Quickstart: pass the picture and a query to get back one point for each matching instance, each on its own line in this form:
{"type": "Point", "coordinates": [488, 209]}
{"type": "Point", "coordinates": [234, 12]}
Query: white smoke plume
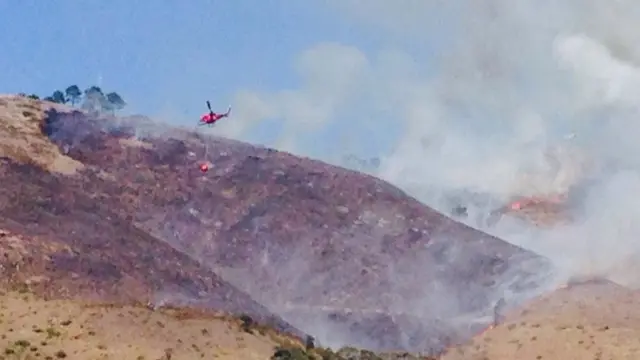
{"type": "Point", "coordinates": [498, 97]}
{"type": "Point", "coordinates": [491, 97]}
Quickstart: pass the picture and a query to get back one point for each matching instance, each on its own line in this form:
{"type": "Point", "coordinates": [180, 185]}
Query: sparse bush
{"type": "Point", "coordinates": [52, 333]}
{"type": "Point", "coordinates": [297, 353]}
{"type": "Point", "coordinates": [32, 96]}
{"type": "Point", "coordinates": [20, 287]}
{"type": "Point", "coordinates": [326, 354]}
{"type": "Point", "coordinates": [22, 343]}
{"type": "Point", "coordinates": [58, 97]}
{"type": "Point", "coordinates": [247, 323]}
{"type": "Point", "coordinates": [309, 342]}
{"type": "Point", "coordinates": [290, 353]}
{"type": "Point", "coordinates": [73, 94]}
{"type": "Point", "coordinates": [349, 353]}
{"type": "Point", "coordinates": [95, 100]}
{"type": "Point", "coordinates": [115, 102]}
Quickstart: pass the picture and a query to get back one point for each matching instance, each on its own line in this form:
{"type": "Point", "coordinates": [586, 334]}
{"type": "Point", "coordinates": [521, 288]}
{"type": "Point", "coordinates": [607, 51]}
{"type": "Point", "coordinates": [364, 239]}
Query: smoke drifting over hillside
{"type": "Point", "coordinates": [345, 257]}
{"type": "Point", "coordinates": [487, 100]}
{"type": "Point", "coordinates": [499, 98]}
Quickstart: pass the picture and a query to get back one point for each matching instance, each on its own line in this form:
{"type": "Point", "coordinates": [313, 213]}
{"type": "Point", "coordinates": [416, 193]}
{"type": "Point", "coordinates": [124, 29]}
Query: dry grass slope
{"type": "Point", "coordinates": [31, 328]}
{"type": "Point", "coordinates": [593, 321]}
{"type": "Point", "coordinates": [21, 138]}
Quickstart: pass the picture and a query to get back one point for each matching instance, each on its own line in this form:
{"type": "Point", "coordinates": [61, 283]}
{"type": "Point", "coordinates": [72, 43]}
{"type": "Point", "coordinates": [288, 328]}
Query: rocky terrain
{"type": "Point", "coordinates": [117, 209]}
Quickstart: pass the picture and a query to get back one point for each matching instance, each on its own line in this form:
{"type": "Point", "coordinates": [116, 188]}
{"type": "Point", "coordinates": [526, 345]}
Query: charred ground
{"type": "Point", "coordinates": [331, 250]}
{"type": "Point", "coordinates": [73, 244]}
{"type": "Point", "coordinates": [116, 210]}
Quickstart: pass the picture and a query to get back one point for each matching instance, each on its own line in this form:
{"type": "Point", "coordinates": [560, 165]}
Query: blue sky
{"type": "Point", "coordinates": [166, 56]}
{"type": "Point", "coordinates": [154, 52]}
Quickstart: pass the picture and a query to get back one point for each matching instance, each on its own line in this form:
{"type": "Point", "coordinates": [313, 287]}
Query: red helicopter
{"type": "Point", "coordinates": [211, 118]}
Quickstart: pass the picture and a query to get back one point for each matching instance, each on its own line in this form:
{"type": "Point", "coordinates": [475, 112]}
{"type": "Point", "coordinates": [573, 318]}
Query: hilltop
{"type": "Point", "coordinates": [21, 135]}
{"type": "Point", "coordinates": [63, 242]}
{"type": "Point", "coordinates": [110, 209]}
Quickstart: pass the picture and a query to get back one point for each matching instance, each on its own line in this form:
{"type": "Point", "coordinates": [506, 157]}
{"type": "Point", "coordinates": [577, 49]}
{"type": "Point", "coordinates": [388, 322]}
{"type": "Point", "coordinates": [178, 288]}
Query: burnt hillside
{"type": "Point", "coordinates": [304, 238]}
{"type": "Point", "coordinates": [65, 242]}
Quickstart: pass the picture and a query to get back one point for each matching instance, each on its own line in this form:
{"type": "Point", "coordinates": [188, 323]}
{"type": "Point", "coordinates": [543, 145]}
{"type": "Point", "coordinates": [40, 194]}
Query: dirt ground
{"type": "Point", "coordinates": [598, 321]}
{"type": "Point", "coordinates": [32, 328]}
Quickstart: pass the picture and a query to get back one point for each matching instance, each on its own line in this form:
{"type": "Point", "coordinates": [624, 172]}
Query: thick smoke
{"type": "Point", "coordinates": [492, 98]}
{"type": "Point", "coordinates": [478, 101]}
